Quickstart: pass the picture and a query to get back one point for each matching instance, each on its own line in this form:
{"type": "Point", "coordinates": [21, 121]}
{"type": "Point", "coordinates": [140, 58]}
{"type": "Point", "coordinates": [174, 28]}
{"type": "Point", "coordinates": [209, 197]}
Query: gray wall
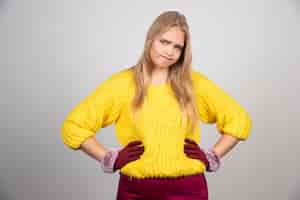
{"type": "Point", "coordinates": [53, 53]}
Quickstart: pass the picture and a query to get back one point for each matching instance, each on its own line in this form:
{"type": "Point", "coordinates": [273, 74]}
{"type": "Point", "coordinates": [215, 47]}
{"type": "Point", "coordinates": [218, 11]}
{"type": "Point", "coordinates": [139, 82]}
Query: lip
{"type": "Point", "coordinates": [167, 58]}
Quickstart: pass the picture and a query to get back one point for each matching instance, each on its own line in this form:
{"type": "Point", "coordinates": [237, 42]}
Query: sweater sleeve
{"type": "Point", "coordinates": [99, 109]}
{"type": "Point", "coordinates": [217, 106]}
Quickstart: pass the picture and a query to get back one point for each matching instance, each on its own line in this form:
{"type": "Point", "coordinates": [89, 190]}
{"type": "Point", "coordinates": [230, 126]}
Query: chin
{"type": "Point", "coordinates": [162, 66]}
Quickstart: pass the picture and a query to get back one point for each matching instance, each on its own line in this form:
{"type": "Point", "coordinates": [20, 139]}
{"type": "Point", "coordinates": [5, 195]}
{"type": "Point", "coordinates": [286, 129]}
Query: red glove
{"type": "Point", "coordinates": [209, 158]}
{"type": "Point", "coordinates": [129, 153]}
{"type": "Point", "coordinates": [192, 150]}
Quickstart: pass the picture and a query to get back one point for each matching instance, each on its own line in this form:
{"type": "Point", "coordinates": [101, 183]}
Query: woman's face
{"type": "Point", "coordinates": [167, 47]}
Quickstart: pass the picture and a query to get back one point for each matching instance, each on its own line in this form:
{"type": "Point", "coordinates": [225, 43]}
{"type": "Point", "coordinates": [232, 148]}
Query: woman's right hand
{"type": "Point", "coordinates": [129, 153]}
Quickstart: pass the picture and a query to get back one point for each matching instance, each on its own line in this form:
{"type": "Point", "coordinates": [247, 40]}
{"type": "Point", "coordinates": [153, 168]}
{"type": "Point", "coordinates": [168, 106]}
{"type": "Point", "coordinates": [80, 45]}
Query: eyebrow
{"type": "Point", "coordinates": [168, 41]}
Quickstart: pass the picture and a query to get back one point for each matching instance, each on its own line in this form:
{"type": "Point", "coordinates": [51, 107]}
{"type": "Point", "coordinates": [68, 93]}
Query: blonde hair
{"type": "Point", "coordinates": [179, 75]}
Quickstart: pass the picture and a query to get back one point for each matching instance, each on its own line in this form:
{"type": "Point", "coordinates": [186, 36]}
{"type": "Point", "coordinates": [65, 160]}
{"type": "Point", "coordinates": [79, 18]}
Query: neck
{"type": "Point", "coordinates": [159, 75]}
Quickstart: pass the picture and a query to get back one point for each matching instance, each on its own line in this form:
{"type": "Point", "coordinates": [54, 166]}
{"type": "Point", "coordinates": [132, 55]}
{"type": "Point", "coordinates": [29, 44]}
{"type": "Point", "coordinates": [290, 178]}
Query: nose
{"type": "Point", "coordinates": [169, 51]}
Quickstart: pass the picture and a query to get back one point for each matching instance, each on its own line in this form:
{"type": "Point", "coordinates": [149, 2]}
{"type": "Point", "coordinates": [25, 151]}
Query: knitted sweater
{"type": "Point", "coordinates": [159, 124]}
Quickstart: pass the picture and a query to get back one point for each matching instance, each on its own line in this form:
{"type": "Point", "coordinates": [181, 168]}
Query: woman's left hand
{"type": "Point", "coordinates": [192, 150]}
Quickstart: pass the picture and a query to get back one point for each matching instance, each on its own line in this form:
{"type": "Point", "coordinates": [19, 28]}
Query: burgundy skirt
{"type": "Point", "coordinates": [192, 187]}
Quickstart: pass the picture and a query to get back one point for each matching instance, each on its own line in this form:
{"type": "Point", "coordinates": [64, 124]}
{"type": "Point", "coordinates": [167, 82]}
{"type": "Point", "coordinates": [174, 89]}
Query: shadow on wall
{"type": "Point", "coordinates": [295, 3]}
{"type": "Point", "coordinates": [4, 194]}
{"type": "Point", "coordinates": [294, 193]}
{"type": "Point", "coordinates": [3, 4]}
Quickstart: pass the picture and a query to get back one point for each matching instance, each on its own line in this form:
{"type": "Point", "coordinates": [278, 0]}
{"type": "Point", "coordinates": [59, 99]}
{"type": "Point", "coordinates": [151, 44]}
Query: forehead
{"type": "Point", "coordinates": [174, 34]}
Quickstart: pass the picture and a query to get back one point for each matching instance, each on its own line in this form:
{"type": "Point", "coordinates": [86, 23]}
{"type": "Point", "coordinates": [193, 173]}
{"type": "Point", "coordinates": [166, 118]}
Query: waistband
{"type": "Point", "coordinates": [131, 178]}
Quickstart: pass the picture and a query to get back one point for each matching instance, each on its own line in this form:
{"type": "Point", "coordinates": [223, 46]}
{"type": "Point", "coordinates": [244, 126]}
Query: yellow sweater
{"type": "Point", "coordinates": [159, 124]}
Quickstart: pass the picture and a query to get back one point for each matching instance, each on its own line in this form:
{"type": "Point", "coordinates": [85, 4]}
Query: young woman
{"type": "Point", "coordinates": [157, 106]}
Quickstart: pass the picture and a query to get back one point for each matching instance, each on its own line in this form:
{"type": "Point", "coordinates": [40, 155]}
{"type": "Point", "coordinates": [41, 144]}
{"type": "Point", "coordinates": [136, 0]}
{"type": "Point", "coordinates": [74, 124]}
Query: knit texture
{"type": "Point", "coordinates": [159, 123]}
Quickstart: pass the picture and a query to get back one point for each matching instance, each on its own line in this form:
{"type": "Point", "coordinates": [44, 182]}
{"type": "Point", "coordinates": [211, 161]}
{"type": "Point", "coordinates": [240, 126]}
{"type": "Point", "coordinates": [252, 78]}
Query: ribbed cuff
{"type": "Point", "coordinates": [213, 159]}
{"type": "Point", "coordinates": [108, 161]}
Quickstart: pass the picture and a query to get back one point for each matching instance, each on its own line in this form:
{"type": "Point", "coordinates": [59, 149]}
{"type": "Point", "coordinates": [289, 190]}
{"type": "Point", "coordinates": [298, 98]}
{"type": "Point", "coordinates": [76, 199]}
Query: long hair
{"type": "Point", "coordinates": [179, 74]}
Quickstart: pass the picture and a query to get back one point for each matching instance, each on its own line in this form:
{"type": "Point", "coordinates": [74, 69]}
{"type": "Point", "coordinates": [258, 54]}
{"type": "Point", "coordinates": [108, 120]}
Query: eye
{"type": "Point", "coordinates": [178, 48]}
{"type": "Point", "coordinates": [163, 41]}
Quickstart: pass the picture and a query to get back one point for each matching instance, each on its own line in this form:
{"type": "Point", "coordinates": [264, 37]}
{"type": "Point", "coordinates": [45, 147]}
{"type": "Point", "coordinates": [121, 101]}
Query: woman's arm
{"type": "Point", "coordinates": [98, 110]}
{"type": "Point", "coordinates": [93, 148]}
{"type": "Point", "coordinates": [225, 144]}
